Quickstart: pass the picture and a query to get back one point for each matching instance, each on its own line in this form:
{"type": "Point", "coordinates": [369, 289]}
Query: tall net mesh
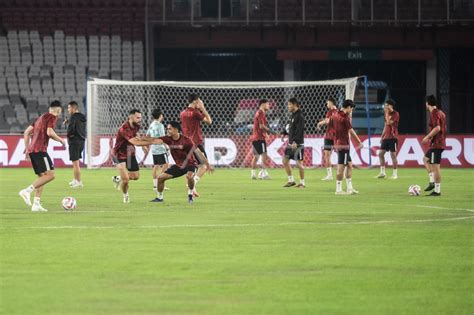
{"type": "Point", "coordinates": [232, 106]}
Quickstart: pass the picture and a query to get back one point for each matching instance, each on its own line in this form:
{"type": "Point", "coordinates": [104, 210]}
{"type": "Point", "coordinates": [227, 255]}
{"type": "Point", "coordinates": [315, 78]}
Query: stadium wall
{"type": "Point", "coordinates": [233, 152]}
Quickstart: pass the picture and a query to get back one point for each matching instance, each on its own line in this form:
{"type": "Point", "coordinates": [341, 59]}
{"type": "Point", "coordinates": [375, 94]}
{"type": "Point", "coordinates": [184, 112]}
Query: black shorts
{"type": "Point", "coordinates": [201, 148]}
{"type": "Point", "coordinates": [328, 144]}
{"type": "Point", "coordinates": [75, 150]}
{"type": "Point", "coordinates": [41, 162]}
{"type": "Point", "coordinates": [131, 163]}
{"type": "Point", "coordinates": [160, 159]}
{"type": "Point", "coordinates": [177, 171]}
{"type": "Point", "coordinates": [343, 157]}
{"type": "Point", "coordinates": [389, 145]}
{"type": "Point", "coordinates": [434, 156]}
{"type": "Point", "coordinates": [297, 154]}
{"type": "Point", "coordinates": [259, 147]}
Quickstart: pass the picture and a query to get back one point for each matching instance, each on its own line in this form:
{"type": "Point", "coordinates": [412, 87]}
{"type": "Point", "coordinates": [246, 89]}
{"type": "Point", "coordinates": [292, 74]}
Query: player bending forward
{"type": "Point", "coordinates": [183, 151]}
{"type": "Point", "coordinates": [123, 153]}
{"type": "Point", "coordinates": [437, 139]}
{"type": "Point", "coordinates": [259, 134]}
{"type": "Point", "coordinates": [36, 151]}
{"type": "Point", "coordinates": [295, 148]}
{"type": "Point", "coordinates": [343, 131]}
{"type": "Point", "coordinates": [328, 137]}
{"type": "Point", "coordinates": [389, 139]}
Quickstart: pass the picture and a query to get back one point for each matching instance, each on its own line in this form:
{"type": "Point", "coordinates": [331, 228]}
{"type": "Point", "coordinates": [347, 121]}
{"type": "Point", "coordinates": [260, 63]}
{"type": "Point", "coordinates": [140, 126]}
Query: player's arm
{"type": "Point", "coordinates": [322, 122]}
{"type": "Point", "coordinates": [202, 157]}
{"type": "Point", "coordinates": [432, 133]}
{"type": "Point", "coordinates": [27, 136]}
{"type": "Point", "coordinates": [144, 141]}
{"type": "Point", "coordinates": [354, 135]}
{"type": "Point", "coordinates": [207, 118]}
{"type": "Point", "coordinates": [53, 135]}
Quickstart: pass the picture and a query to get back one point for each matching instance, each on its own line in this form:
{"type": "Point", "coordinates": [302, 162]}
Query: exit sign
{"type": "Point", "coordinates": [355, 54]}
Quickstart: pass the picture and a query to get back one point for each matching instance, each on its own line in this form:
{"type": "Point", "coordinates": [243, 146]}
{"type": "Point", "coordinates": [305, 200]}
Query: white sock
{"type": "Point", "coordinates": [302, 181]}
{"type": "Point", "coordinates": [252, 173]}
{"type": "Point", "coordinates": [190, 191]}
{"type": "Point", "coordinates": [382, 169]}
{"type": "Point", "coordinates": [437, 188]}
{"type": "Point", "coordinates": [125, 195]}
{"type": "Point", "coordinates": [338, 185]}
{"type": "Point", "coordinates": [395, 172]}
{"type": "Point", "coordinates": [349, 183]}
{"type": "Point", "coordinates": [264, 172]}
{"type": "Point", "coordinates": [36, 200]}
{"type": "Point", "coordinates": [431, 177]}
{"type": "Point", "coordinates": [155, 183]}
{"type": "Point", "coordinates": [30, 189]}
{"type": "Point", "coordinates": [196, 179]}
{"type": "Point", "coordinates": [290, 179]}
{"type": "Point", "coordinates": [329, 171]}
{"type": "Point", "coordinates": [160, 195]}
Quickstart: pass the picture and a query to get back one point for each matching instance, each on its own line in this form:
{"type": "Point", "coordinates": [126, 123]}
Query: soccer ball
{"type": "Point", "coordinates": [414, 190]}
{"type": "Point", "coordinates": [69, 203]}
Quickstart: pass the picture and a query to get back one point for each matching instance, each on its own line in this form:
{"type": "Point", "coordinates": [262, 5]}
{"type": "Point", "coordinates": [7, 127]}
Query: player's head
{"type": "Point", "coordinates": [173, 129]}
{"type": "Point", "coordinates": [293, 105]}
{"type": "Point", "coordinates": [55, 108]}
{"type": "Point", "coordinates": [135, 116]}
{"type": "Point", "coordinates": [72, 107]}
{"type": "Point", "coordinates": [348, 106]}
{"type": "Point", "coordinates": [390, 105]}
{"type": "Point", "coordinates": [431, 102]}
{"type": "Point", "coordinates": [264, 104]}
{"type": "Point", "coordinates": [193, 99]}
{"type": "Point", "coordinates": [157, 114]}
{"type": "Point", "coordinates": [331, 102]}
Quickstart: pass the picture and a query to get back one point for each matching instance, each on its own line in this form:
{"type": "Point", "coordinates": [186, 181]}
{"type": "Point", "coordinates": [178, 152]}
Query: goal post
{"type": "Point", "coordinates": [232, 106]}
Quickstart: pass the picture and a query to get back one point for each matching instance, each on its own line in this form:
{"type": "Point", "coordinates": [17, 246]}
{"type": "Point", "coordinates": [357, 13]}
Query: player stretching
{"type": "Point", "coordinates": [36, 151]}
{"type": "Point", "coordinates": [259, 133]}
{"type": "Point", "coordinates": [295, 148]}
{"type": "Point", "coordinates": [160, 154]}
{"type": "Point", "coordinates": [183, 151]}
{"type": "Point", "coordinates": [123, 153]}
{"type": "Point", "coordinates": [328, 137]}
{"type": "Point", "coordinates": [343, 132]}
{"type": "Point", "coordinates": [76, 136]}
{"type": "Point", "coordinates": [389, 138]}
{"type": "Point", "coordinates": [437, 139]}
{"type": "Point", "coordinates": [191, 119]}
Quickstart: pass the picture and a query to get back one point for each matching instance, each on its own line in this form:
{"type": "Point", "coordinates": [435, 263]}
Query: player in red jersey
{"type": "Point", "coordinates": [343, 131]}
{"type": "Point", "coordinates": [259, 134]}
{"type": "Point", "coordinates": [191, 119]}
{"type": "Point", "coordinates": [36, 138]}
{"type": "Point", "coordinates": [183, 150]}
{"type": "Point", "coordinates": [123, 153]}
{"type": "Point", "coordinates": [389, 138]}
{"type": "Point", "coordinates": [437, 139]}
{"type": "Point", "coordinates": [328, 137]}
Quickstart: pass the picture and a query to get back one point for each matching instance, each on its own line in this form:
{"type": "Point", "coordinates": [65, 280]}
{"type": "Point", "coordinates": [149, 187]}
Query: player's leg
{"type": "Point", "coordinates": [265, 165]}
{"type": "Point", "coordinates": [43, 179]}
{"type": "Point", "coordinates": [429, 156]}
{"type": "Point", "coordinates": [190, 180]}
{"type": "Point", "coordinates": [161, 184]}
{"type": "Point", "coordinates": [436, 170]}
{"type": "Point", "coordinates": [253, 174]}
{"type": "Point", "coordinates": [124, 180]}
{"type": "Point", "coordinates": [44, 169]}
{"type": "Point", "coordinates": [344, 169]}
{"type": "Point", "coordinates": [327, 150]}
{"type": "Point", "coordinates": [350, 189]}
{"type": "Point", "coordinates": [75, 154]}
{"type": "Point", "coordinates": [382, 164]}
{"type": "Point", "coordinates": [76, 166]}
{"type": "Point", "coordinates": [299, 157]}
{"type": "Point", "coordinates": [286, 164]}
{"type": "Point", "coordinates": [202, 168]}
{"type": "Point", "coordinates": [339, 178]}
{"type": "Point", "coordinates": [134, 175]}
{"type": "Point", "coordinates": [393, 155]}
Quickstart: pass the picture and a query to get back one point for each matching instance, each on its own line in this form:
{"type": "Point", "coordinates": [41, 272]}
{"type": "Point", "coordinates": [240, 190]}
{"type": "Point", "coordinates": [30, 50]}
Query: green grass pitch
{"type": "Point", "coordinates": [244, 247]}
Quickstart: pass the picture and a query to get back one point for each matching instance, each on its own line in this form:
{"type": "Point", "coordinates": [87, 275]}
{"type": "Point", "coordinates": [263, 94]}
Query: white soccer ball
{"type": "Point", "coordinates": [69, 203]}
{"type": "Point", "coordinates": [414, 190]}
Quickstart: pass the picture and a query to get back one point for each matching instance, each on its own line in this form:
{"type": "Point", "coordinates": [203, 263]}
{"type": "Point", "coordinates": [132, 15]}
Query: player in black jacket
{"type": "Point", "coordinates": [76, 136]}
{"type": "Point", "coordinates": [295, 148]}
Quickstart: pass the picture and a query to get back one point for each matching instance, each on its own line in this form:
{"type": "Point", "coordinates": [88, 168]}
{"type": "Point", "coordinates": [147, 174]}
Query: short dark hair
{"type": "Point", "coordinates": [73, 103]}
{"type": "Point", "coordinates": [294, 101]}
{"type": "Point", "coordinates": [348, 103]}
{"type": "Point", "coordinates": [134, 111]}
{"type": "Point", "coordinates": [55, 104]}
{"type": "Point", "coordinates": [332, 100]}
{"type": "Point", "coordinates": [156, 113]}
{"type": "Point", "coordinates": [431, 100]}
{"type": "Point", "coordinates": [262, 101]}
{"type": "Point", "coordinates": [390, 102]}
{"type": "Point", "coordinates": [175, 124]}
{"type": "Point", "coordinates": [192, 97]}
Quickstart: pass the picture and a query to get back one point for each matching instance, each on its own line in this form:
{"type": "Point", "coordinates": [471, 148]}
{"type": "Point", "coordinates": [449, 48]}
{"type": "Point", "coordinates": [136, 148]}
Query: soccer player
{"type": "Point", "coordinates": [36, 138]}
{"type": "Point", "coordinates": [183, 151]}
{"type": "Point", "coordinates": [328, 137]}
{"type": "Point", "coordinates": [259, 134]}
{"type": "Point", "coordinates": [76, 136]}
{"type": "Point", "coordinates": [437, 139]}
{"type": "Point", "coordinates": [343, 131]}
{"type": "Point", "coordinates": [295, 148]}
{"type": "Point", "coordinates": [389, 138]}
{"type": "Point", "coordinates": [123, 153]}
{"type": "Point", "coordinates": [159, 152]}
{"type": "Point", "coordinates": [191, 119]}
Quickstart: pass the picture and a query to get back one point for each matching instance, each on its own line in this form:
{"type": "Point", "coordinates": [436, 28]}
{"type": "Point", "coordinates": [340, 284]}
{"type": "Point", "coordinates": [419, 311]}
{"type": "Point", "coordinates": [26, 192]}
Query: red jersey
{"type": "Point", "coordinates": [40, 138]}
{"type": "Point", "coordinates": [191, 122]}
{"type": "Point", "coordinates": [342, 124]}
{"type": "Point", "coordinates": [260, 118]}
{"type": "Point", "coordinates": [330, 132]}
{"type": "Point", "coordinates": [182, 150]}
{"type": "Point", "coordinates": [438, 118]}
{"type": "Point", "coordinates": [391, 131]}
{"type": "Point", "coordinates": [122, 147]}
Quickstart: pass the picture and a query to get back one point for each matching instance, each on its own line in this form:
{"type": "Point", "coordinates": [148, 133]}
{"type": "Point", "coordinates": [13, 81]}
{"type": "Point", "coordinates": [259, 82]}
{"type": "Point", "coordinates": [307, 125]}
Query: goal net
{"type": "Point", "coordinates": [232, 106]}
